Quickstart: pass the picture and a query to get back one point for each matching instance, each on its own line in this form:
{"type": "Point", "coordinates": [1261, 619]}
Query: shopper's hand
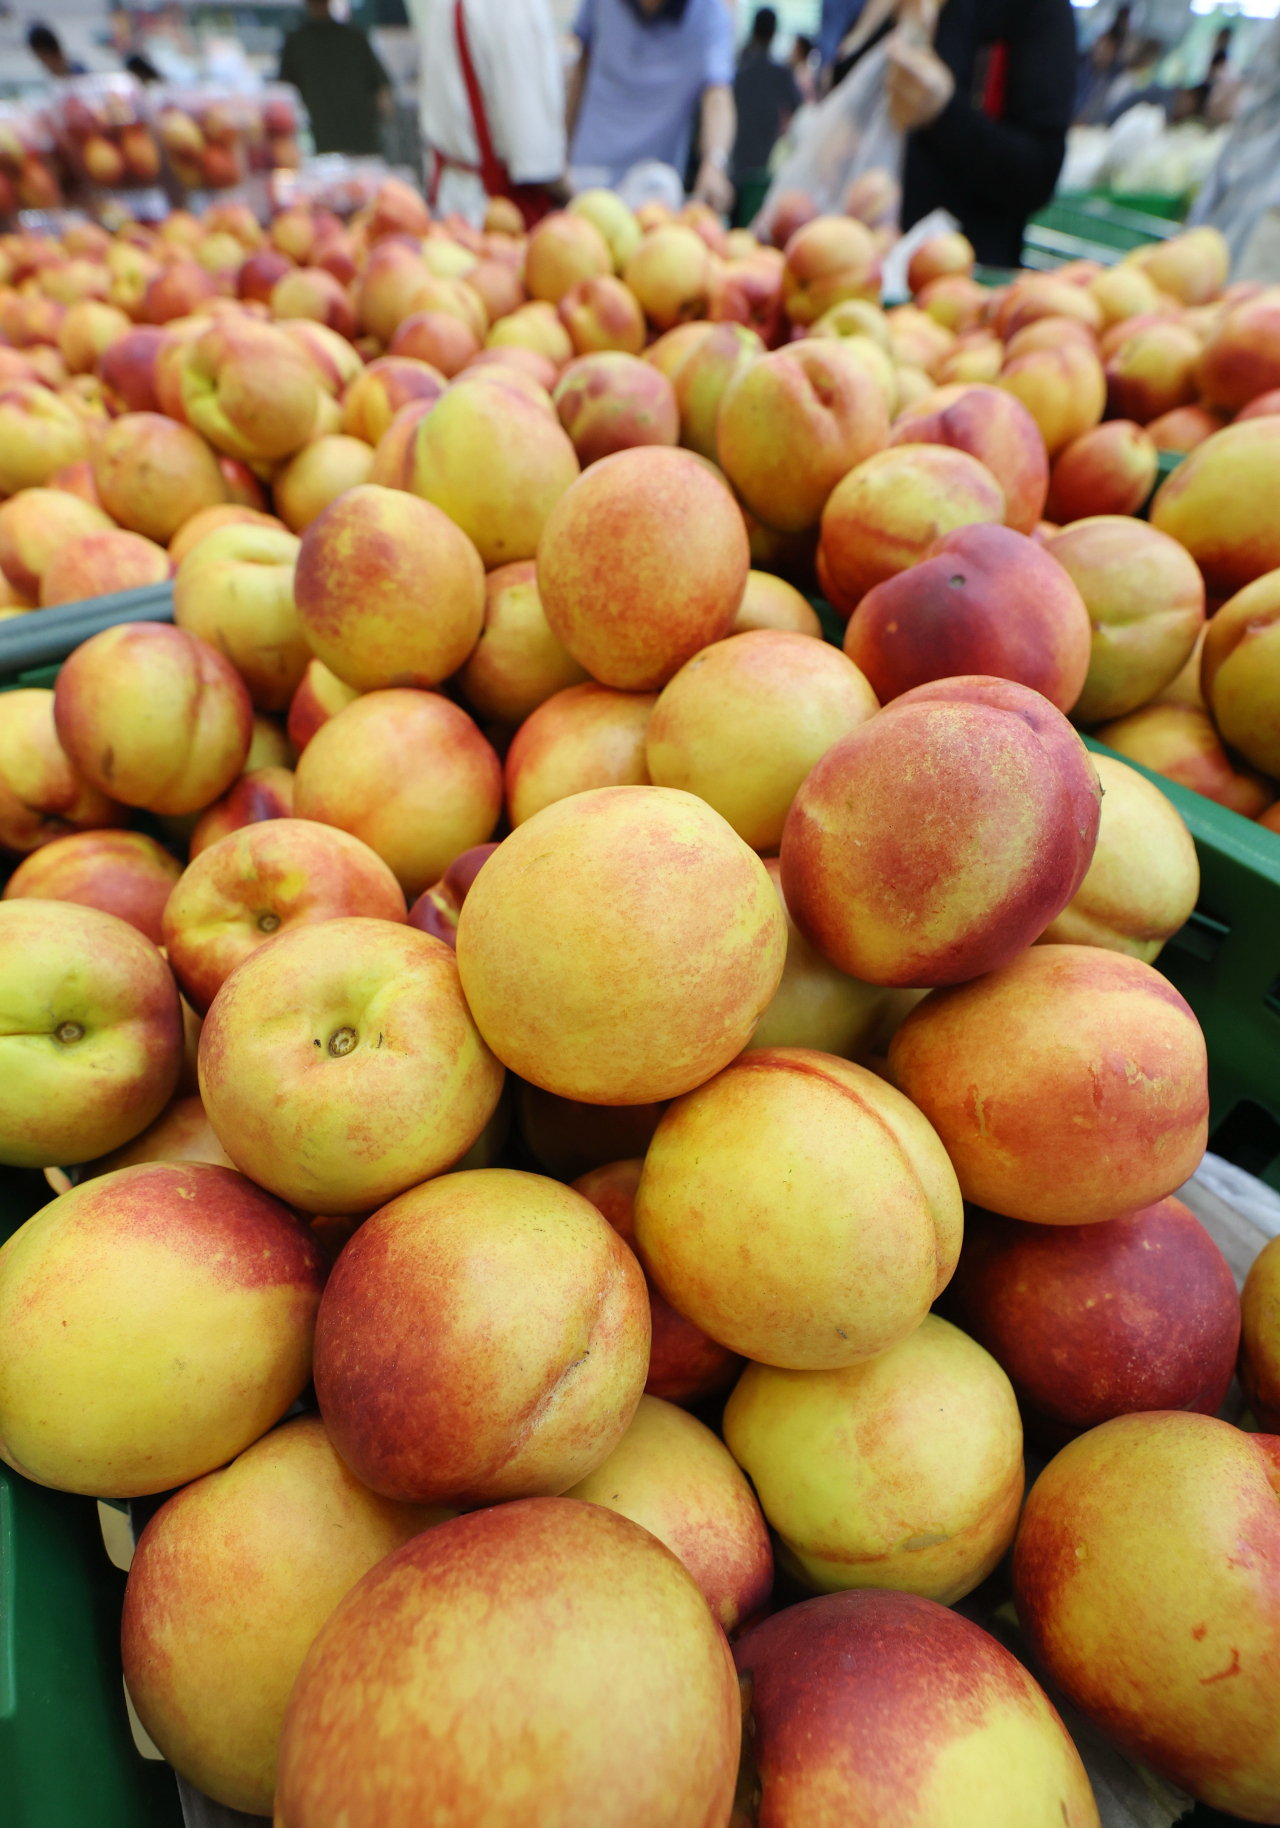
{"type": "Point", "coordinates": [919, 85]}
{"type": "Point", "coordinates": [713, 187]}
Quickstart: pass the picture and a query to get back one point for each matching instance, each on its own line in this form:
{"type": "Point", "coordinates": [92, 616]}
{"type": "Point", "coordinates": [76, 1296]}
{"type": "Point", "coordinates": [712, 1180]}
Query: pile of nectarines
{"type": "Point", "coordinates": [565, 1090]}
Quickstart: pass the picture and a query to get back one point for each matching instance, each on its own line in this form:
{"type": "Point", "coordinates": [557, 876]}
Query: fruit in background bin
{"type": "Point", "coordinates": [1110, 470]}
{"type": "Point", "coordinates": [601, 313]}
{"type": "Point", "coordinates": [749, 292]}
{"type": "Point", "coordinates": [495, 463]}
{"type": "Point", "coordinates": [828, 259]}
{"type": "Point", "coordinates": [127, 368]}
{"type": "Point", "coordinates": [153, 716]}
{"type": "Point", "coordinates": [1240, 672]}
{"type": "Point", "coordinates": [334, 362]}
{"type": "Point", "coordinates": [1043, 295]}
{"type": "Point", "coordinates": [983, 600]}
{"type": "Point", "coordinates": [1178, 740]}
{"type": "Point", "coordinates": [550, 1610]}
{"type": "Point", "coordinates": [35, 525]}
{"type": "Point", "coordinates": [978, 855]}
{"type": "Point", "coordinates": [263, 880]}
{"type": "Point", "coordinates": [904, 1471]}
{"type": "Point", "coordinates": [615, 221]}
{"type": "Point", "coordinates": [1219, 502]}
{"type": "Point", "coordinates": [564, 249]}
{"type": "Point", "coordinates": [1260, 1341]}
{"type": "Point", "coordinates": [1241, 359]}
{"type": "Point", "coordinates": [938, 256]}
{"type": "Point", "coordinates": [340, 1065]}
{"type": "Point", "coordinates": [1153, 372]}
{"type": "Point", "coordinates": [246, 387]}
{"type": "Point", "coordinates": [260, 274]}
{"type": "Point", "coordinates": [153, 474]}
{"type": "Point", "coordinates": [611, 402]}
{"type": "Point", "coordinates": [445, 343]}
{"type": "Point", "coordinates": [1184, 428]}
{"type": "Point", "coordinates": [905, 1711]}
{"type": "Point", "coordinates": [740, 1225]}
{"type": "Point", "coordinates": [1193, 266]}
{"type": "Point", "coordinates": [1182, 1525]}
{"type": "Point", "coordinates": [1095, 1321]}
{"type": "Point", "coordinates": [125, 873]}
{"type": "Point", "coordinates": [42, 797]}
{"type": "Point", "coordinates": [1112, 1116]}
{"type": "Point", "coordinates": [375, 396]}
{"type": "Point", "coordinates": [887, 512]}
{"type": "Point", "coordinates": [92, 1038]}
{"type": "Point", "coordinates": [409, 774]}
{"type": "Point", "coordinates": [672, 1476]}
{"type": "Point", "coordinates": [955, 301]}
{"type": "Point", "coordinates": [1144, 880]}
{"type": "Point", "coordinates": [87, 331]}
{"type": "Point", "coordinates": [187, 1300]}
{"type": "Point", "coordinates": [433, 1293]}
{"type": "Point", "coordinates": [39, 433]}
{"type": "Point", "coordinates": [1064, 390]}
{"type": "Point", "coordinates": [641, 563]}
{"type": "Point", "coordinates": [770, 602]}
{"type": "Point", "coordinates": [516, 663]}
{"type": "Point", "coordinates": [320, 696]}
{"type": "Point", "coordinates": [389, 590]}
{"type": "Point", "coordinates": [229, 1584]}
{"type": "Point", "coordinates": [1145, 598]}
{"type": "Point", "coordinates": [1122, 292]}
{"type": "Point", "coordinates": [264, 791]}
{"type": "Point", "coordinates": [584, 737]}
{"type": "Point", "coordinates": [640, 872]}
{"type": "Point", "coordinates": [1265, 405]}
{"type": "Point", "coordinates": [534, 326]}
{"type": "Point", "coordinates": [436, 910]}
{"type": "Point", "coordinates": [670, 274]}
{"type": "Point", "coordinates": [178, 290]}
{"type": "Point", "coordinates": [743, 722]}
{"type": "Point", "coordinates": [313, 293]}
{"type": "Point", "coordinates": [685, 1366]}
{"type": "Point", "coordinates": [917, 341]}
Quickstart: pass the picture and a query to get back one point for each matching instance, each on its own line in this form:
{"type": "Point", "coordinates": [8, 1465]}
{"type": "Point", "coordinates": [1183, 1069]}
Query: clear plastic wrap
{"type": "Point", "coordinates": [844, 136]}
{"type": "Point", "coordinates": [102, 130]}
{"type": "Point", "coordinates": [29, 177]}
{"type": "Point", "coordinates": [204, 133]}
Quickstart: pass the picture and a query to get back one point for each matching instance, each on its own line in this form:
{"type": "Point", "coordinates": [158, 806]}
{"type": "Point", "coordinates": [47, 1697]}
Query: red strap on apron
{"type": "Point", "coordinates": [994, 90]}
{"type": "Point", "coordinates": [532, 200]}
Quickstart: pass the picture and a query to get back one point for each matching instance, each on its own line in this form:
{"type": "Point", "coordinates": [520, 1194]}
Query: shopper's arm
{"type": "Point", "coordinates": [719, 129]}
{"type": "Point", "coordinates": [1016, 159]}
{"type": "Point", "coordinates": [574, 89]}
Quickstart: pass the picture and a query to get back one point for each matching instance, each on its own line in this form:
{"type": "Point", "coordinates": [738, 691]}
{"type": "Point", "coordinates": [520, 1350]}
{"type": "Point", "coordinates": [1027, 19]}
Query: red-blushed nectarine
{"type": "Point", "coordinates": [1068, 1086]}
{"type": "Point", "coordinates": [770, 602]}
{"type": "Point", "coordinates": [122, 872]}
{"type": "Point", "coordinates": [1240, 672]}
{"type": "Point", "coordinates": [156, 1321]}
{"type": "Point", "coordinates": [90, 1033]}
{"type": "Point", "coordinates": [644, 922]}
{"type": "Point", "coordinates": [390, 592]}
{"type": "Point", "coordinates": [229, 1584]}
{"type": "Point", "coordinates": [316, 475]}
{"type": "Point", "coordinates": [672, 1476]}
{"type": "Point", "coordinates": [817, 1005]}
{"type": "Point", "coordinates": [235, 591]}
{"type": "Point", "coordinates": [611, 401]}
{"type": "Point", "coordinates": [153, 716]}
{"type": "Point", "coordinates": [1177, 739]}
{"type": "Point", "coordinates": [1161, 1532]}
{"type": "Point", "coordinates": [483, 1337]}
{"type": "Point", "coordinates": [743, 722]}
{"type": "Point", "coordinates": [793, 423]}
{"type": "Point", "coordinates": [408, 773]}
{"type": "Point", "coordinates": [904, 1471]}
{"type": "Point", "coordinates": [437, 909]}
{"type": "Point", "coordinates": [340, 1064]}
{"type": "Point", "coordinates": [100, 564]}
{"type": "Point", "coordinates": [544, 1650]}
{"type": "Point", "coordinates": [34, 526]}
{"type": "Point", "coordinates": [1218, 503]}
{"type": "Point", "coordinates": [1144, 879]}
{"type": "Point", "coordinates": [993, 426]}
{"type": "Point", "coordinates": [154, 474]}
{"type": "Point", "coordinates": [584, 737]}
{"type": "Point", "coordinates": [1260, 1339]}
{"type": "Point", "coordinates": [181, 1133]}
{"type": "Point", "coordinates": [983, 599]}
{"type": "Point", "coordinates": [642, 563]}
{"type": "Point", "coordinates": [975, 858]}
{"type": "Point", "coordinates": [259, 793]}
{"type": "Point", "coordinates": [798, 1210]}
{"type": "Point", "coordinates": [320, 696]}
{"type": "Point", "coordinates": [684, 1364]}
{"type": "Point", "coordinates": [41, 795]}
{"type": "Point", "coordinates": [1110, 470]}
{"type": "Point", "coordinates": [888, 1708]}
{"type": "Point", "coordinates": [1094, 1321]}
{"type": "Point", "coordinates": [266, 879]}
{"type": "Point", "coordinates": [1145, 598]}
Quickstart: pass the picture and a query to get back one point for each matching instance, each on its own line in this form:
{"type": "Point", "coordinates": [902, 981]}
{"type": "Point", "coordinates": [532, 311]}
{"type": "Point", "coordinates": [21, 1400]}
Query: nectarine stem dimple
{"type": "Point", "coordinates": [68, 1032]}
{"type": "Point", "coordinates": [342, 1041]}
{"type": "Point", "coordinates": [268, 923]}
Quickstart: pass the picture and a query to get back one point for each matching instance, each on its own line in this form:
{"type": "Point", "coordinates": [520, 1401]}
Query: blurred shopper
{"type": "Point", "coordinates": [47, 47]}
{"type": "Point", "coordinates": [646, 68]}
{"type": "Point", "coordinates": [1100, 68]}
{"type": "Point", "coordinates": [801, 65]}
{"type": "Point", "coordinates": [838, 19]}
{"type": "Point", "coordinates": [344, 86]}
{"type": "Point", "coordinates": [765, 95]}
{"type": "Point", "coordinates": [983, 91]}
{"type": "Point", "coordinates": [492, 91]}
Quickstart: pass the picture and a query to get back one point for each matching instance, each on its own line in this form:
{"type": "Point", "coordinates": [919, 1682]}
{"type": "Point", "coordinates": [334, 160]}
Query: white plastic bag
{"type": "Point", "coordinates": [848, 133]}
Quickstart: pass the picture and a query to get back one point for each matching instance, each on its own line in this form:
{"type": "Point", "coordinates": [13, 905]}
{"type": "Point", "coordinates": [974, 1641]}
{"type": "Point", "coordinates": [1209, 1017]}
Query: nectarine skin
{"type": "Point", "coordinates": [900, 1710]}
{"type": "Point", "coordinates": [1093, 1321]}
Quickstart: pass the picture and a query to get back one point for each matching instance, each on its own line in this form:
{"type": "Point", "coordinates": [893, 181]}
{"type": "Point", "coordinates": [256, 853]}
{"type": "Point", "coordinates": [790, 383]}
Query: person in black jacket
{"type": "Point", "coordinates": [986, 106]}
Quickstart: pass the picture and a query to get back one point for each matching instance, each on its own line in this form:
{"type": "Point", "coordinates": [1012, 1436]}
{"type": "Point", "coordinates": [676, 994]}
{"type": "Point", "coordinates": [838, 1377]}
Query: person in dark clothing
{"type": "Point", "coordinates": [765, 94]}
{"type": "Point", "coordinates": [47, 46]}
{"type": "Point", "coordinates": [343, 84]}
{"type": "Point", "coordinates": [983, 90]}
